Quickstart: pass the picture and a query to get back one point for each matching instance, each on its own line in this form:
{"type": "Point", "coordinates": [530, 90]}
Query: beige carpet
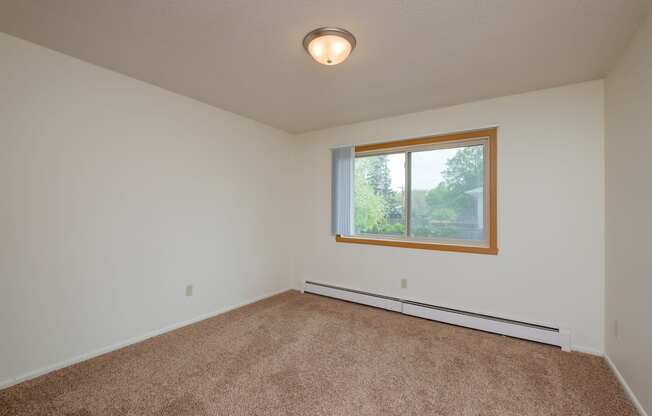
{"type": "Point", "coordinates": [297, 354]}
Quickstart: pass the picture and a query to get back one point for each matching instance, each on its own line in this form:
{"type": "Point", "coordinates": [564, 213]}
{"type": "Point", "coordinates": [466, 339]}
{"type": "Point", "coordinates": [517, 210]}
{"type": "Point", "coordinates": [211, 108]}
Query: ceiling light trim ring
{"type": "Point", "coordinates": [324, 31]}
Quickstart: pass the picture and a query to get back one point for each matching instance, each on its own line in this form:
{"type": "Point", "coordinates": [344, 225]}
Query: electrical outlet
{"type": "Point", "coordinates": [189, 290]}
{"type": "Point", "coordinates": [616, 329]}
{"type": "Point", "coordinates": [403, 283]}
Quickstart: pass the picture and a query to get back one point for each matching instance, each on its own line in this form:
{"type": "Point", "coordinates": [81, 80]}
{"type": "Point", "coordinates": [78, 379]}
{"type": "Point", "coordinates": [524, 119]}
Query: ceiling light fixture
{"type": "Point", "coordinates": [329, 45]}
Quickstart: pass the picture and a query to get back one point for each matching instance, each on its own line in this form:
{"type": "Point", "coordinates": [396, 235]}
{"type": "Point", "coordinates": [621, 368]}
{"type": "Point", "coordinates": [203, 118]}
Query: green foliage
{"type": "Point", "coordinates": [439, 197]}
{"type": "Point", "coordinates": [431, 213]}
{"type": "Point", "coordinates": [370, 207]}
{"type": "Point", "coordinates": [396, 228]}
{"type": "Point", "coordinates": [377, 206]}
{"type": "Point", "coordinates": [377, 174]}
{"type": "Point", "coordinates": [443, 211]}
{"type": "Point", "coordinates": [443, 214]}
{"type": "Point", "coordinates": [465, 170]}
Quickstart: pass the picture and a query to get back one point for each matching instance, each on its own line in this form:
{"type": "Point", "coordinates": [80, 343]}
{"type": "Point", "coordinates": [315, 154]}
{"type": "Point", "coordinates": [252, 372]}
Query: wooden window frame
{"type": "Point", "coordinates": [489, 134]}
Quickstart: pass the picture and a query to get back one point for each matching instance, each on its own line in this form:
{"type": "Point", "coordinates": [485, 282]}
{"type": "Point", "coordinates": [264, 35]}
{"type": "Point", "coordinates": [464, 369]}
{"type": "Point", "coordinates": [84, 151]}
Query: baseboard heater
{"type": "Point", "coordinates": [546, 334]}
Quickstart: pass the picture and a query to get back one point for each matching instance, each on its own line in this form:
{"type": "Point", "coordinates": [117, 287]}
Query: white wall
{"type": "Point", "coordinates": [115, 194]}
{"type": "Point", "coordinates": [550, 267]}
{"type": "Point", "coordinates": [628, 92]}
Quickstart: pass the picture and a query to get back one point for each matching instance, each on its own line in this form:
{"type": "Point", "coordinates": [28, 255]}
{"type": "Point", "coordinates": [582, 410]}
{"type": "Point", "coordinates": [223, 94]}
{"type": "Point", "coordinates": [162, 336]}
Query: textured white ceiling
{"type": "Point", "coordinates": [245, 56]}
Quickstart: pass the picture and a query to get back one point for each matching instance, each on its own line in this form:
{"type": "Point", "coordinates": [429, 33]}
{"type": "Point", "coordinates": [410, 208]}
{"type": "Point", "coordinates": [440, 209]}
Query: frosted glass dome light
{"type": "Point", "coordinates": [329, 45]}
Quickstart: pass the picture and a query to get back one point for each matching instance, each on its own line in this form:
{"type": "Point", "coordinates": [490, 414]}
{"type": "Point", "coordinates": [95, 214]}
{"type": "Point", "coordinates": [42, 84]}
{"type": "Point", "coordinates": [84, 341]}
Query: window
{"type": "Point", "coordinates": [436, 193]}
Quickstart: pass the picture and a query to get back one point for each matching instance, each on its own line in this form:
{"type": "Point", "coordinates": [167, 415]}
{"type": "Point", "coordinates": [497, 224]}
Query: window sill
{"type": "Point", "coordinates": [418, 245]}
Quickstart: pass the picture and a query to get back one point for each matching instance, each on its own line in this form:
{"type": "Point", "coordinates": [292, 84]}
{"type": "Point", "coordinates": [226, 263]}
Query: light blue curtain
{"type": "Point", "coordinates": [342, 190]}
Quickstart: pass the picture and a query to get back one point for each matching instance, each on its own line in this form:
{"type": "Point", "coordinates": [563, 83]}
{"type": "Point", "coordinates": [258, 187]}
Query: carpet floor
{"type": "Point", "coordinates": [301, 354]}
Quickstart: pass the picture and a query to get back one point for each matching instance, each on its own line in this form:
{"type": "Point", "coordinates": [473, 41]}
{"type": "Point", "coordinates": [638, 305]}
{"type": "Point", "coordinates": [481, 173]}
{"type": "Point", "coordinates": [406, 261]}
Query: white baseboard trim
{"type": "Point", "coordinates": [587, 350]}
{"type": "Point", "coordinates": [121, 344]}
{"type": "Point", "coordinates": [626, 387]}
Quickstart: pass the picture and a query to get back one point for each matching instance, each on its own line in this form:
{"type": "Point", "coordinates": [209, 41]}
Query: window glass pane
{"type": "Point", "coordinates": [379, 184]}
{"type": "Point", "coordinates": [447, 194]}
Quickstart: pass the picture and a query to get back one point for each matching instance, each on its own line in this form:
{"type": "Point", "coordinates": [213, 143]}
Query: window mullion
{"type": "Point", "coordinates": [407, 193]}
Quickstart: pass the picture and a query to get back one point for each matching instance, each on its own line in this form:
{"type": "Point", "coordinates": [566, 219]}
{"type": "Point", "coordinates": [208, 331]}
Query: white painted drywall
{"type": "Point", "coordinates": [115, 194]}
{"type": "Point", "coordinates": [628, 100]}
{"type": "Point", "coordinates": [551, 214]}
